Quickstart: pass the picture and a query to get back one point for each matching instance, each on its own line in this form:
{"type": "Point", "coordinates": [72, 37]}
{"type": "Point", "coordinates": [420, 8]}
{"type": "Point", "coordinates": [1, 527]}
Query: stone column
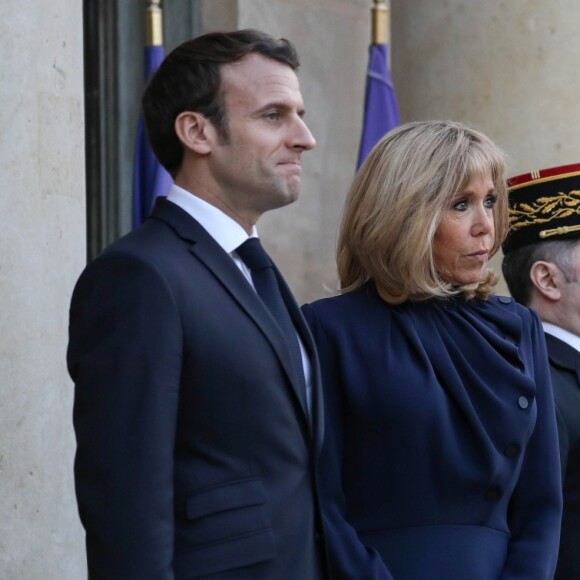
{"type": "Point", "coordinates": [508, 68]}
{"type": "Point", "coordinates": [42, 251]}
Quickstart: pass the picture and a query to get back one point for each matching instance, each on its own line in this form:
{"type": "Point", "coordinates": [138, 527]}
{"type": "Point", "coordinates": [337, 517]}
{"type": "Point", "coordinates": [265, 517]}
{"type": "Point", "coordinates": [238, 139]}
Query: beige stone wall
{"type": "Point", "coordinates": [41, 252]}
{"type": "Point", "coordinates": [508, 68]}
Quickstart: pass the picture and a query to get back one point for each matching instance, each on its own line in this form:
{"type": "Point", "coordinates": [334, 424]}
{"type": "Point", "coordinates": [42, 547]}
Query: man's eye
{"type": "Point", "coordinates": [272, 116]}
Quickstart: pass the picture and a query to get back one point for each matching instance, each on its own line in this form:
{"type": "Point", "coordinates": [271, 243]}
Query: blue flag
{"type": "Point", "coordinates": [150, 179]}
{"type": "Point", "coordinates": [381, 112]}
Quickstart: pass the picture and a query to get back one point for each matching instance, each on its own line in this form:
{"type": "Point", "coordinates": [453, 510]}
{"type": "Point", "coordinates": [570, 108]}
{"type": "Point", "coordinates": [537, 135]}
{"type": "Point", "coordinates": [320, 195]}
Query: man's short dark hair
{"type": "Point", "coordinates": [517, 264]}
{"type": "Point", "coordinates": [189, 80]}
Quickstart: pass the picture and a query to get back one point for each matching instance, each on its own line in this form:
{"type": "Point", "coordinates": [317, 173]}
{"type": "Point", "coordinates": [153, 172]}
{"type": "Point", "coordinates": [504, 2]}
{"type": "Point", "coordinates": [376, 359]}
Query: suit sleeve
{"type": "Point", "coordinates": [536, 506]}
{"type": "Point", "coordinates": [349, 557]}
{"type": "Point", "coordinates": [124, 357]}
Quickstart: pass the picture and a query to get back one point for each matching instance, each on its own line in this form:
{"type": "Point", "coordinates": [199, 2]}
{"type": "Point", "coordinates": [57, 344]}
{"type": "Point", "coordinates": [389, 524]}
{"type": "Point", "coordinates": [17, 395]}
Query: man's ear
{"type": "Point", "coordinates": [195, 132]}
{"type": "Point", "coordinates": [546, 277]}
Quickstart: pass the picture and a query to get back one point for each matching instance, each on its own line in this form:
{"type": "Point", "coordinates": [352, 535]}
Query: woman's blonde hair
{"type": "Point", "coordinates": [396, 201]}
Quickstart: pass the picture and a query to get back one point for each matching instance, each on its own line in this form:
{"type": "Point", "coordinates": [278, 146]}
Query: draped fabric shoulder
{"type": "Point", "coordinates": [441, 443]}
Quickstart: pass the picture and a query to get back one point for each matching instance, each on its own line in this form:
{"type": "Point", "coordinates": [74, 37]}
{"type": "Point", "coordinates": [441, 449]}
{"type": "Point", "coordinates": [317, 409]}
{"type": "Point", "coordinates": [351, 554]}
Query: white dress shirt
{"type": "Point", "coordinates": [229, 235]}
{"type": "Point", "coordinates": [566, 336]}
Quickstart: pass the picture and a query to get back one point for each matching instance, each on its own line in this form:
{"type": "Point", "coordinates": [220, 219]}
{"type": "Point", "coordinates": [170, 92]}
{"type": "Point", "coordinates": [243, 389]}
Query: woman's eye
{"type": "Point", "coordinates": [460, 205]}
{"type": "Point", "coordinates": [490, 200]}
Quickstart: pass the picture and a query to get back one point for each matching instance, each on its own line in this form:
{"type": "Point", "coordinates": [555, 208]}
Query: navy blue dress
{"type": "Point", "coordinates": [441, 457]}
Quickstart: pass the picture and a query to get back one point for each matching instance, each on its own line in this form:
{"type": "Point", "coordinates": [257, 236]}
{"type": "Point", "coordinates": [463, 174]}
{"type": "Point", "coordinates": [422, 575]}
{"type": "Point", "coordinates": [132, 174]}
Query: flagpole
{"type": "Point", "coordinates": [381, 25]}
{"type": "Point", "coordinates": [380, 22]}
{"type": "Point", "coordinates": [154, 24]}
{"type": "Point", "coordinates": [381, 111]}
{"type": "Point", "coordinates": [150, 179]}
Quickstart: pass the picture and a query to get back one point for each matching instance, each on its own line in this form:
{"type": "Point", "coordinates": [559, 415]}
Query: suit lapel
{"type": "Point", "coordinates": [220, 264]}
{"type": "Point", "coordinates": [317, 411]}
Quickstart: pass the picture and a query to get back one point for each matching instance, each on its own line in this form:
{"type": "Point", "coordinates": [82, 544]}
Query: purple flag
{"type": "Point", "coordinates": [381, 112]}
{"type": "Point", "coordinates": [150, 179]}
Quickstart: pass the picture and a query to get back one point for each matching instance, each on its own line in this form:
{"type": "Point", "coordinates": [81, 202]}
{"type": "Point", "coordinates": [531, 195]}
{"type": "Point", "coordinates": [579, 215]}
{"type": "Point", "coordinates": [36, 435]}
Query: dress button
{"type": "Point", "coordinates": [512, 450]}
{"type": "Point", "coordinates": [492, 494]}
{"type": "Point", "coordinates": [505, 299]}
{"type": "Point", "coordinates": [523, 403]}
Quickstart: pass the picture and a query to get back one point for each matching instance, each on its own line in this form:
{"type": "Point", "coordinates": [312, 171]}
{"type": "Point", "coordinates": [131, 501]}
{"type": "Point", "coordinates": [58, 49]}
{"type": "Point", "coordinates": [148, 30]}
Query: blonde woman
{"type": "Point", "coordinates": [441, 455]}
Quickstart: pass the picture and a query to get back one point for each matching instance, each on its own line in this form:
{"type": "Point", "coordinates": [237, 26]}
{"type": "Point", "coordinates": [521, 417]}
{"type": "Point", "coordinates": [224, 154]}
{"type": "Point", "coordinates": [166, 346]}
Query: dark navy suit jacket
{"type": "Point", "coordinates": [196, 457]}
{"type": "Point", "coordinates": [565, 371]}
{"type": "Point", "coordinates": [440, 460]}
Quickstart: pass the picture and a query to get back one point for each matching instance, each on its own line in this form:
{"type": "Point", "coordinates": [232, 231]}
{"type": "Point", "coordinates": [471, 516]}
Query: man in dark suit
{"type": "Point", "coordinates": [197, 401]}
{"type": "Point", "coordinates": [541, 266]}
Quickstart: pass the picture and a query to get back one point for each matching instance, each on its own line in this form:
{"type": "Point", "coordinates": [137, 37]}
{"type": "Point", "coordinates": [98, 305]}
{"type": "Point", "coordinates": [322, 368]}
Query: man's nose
{"type": "Point", "coordinates": [302, 138]}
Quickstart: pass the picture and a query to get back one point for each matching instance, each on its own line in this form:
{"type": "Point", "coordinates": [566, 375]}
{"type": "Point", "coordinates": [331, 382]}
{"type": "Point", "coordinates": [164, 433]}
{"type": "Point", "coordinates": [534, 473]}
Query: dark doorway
{"type": "Point", "coordinates": [114, 43]}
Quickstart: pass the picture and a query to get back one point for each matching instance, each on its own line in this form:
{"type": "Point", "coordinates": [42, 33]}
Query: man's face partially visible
{"type": "Point", "coordinates": [258, 167]}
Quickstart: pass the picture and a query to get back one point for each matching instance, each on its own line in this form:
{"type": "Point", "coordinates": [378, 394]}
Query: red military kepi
{"type": "Point", "coordinates": [544, 205]}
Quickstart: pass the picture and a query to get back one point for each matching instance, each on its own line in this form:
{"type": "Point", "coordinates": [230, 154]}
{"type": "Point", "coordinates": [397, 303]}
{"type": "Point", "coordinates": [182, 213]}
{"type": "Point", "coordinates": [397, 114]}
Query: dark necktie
{"type": "Point", "coordinates": [264, 277]}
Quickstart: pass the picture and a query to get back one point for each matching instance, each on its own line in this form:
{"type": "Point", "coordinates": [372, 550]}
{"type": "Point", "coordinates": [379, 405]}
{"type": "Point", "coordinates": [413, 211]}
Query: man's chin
{"type": "Point", "coordinates": [282, 194]}
{"type": "Point", "coordinates": [289, 193]}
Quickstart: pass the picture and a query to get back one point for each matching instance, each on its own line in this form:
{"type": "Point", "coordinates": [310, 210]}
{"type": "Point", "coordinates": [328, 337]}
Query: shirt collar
{"type": "Point", "coordinates": [227, 232]}
{"type": "Point", "coordinates": [564, 335]}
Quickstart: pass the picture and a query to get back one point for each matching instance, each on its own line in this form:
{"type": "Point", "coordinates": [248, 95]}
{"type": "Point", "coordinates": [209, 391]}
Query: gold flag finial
{"type": "Point", "coordinates": [380, 22]}
{"type": "Point", "coordinates": [154, 24]}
